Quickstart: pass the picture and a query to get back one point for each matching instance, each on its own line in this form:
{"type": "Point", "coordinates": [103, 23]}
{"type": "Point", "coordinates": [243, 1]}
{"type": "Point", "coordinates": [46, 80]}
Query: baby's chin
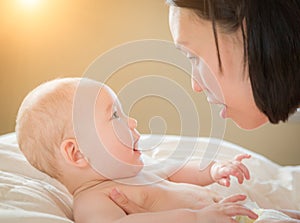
{"type": "Point", "coordinates": [138, 166]}
{"type": "Point", "coordinates": [132, 170]}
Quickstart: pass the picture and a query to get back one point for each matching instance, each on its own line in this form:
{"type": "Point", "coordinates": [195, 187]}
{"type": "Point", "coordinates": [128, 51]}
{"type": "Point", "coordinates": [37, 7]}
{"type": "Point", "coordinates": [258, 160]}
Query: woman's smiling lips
{"type": "Point", "coordinates": [223, 112]}
{"type": "Point", "coordinates": [214, 101]}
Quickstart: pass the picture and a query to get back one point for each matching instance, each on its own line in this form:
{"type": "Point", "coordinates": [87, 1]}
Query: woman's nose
{"type": "Point", "coordinates": [196, 85]}
{"type": "Point", "coordinates": [196, 79]}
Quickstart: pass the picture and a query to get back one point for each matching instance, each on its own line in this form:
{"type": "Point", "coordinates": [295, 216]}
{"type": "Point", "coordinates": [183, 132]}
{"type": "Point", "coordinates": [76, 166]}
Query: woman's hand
{"type": "Point", "coordinates": [123, 202]}
{"type": "Point", "coordinates": [225, 210]}
{"type": "Point", "coordinates": [221, 171]}
{"type": "Point", "coordinates": [292, 213]}
{"type": "Point", "coordinates": [271, 220]}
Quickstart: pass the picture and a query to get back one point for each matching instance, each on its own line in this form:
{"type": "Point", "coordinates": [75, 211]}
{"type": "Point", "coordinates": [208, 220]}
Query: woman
{"type": "Point", "coordinates": [252, 51]}
{"type": "Point", "coordinates": [251, 47]}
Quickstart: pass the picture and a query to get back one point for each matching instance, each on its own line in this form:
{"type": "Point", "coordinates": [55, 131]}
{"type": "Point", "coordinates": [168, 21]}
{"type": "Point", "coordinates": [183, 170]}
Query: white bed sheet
{"type": "Point", "coordinates": [27, 195]}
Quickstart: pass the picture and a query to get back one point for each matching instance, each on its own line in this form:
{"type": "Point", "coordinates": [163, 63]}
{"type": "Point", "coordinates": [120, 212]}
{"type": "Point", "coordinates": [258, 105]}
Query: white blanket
{"type": "Point", "coordinates": [27, 195]}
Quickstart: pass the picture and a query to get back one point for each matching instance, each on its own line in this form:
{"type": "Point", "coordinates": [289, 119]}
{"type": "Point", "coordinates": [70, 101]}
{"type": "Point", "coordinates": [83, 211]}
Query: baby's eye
{"type": "Point", "coordinates": [115, 115]}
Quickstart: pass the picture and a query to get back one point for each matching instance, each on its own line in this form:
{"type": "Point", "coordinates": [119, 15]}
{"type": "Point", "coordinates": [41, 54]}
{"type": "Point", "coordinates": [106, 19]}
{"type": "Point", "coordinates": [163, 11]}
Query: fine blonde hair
{"type": "Point", "coordinates": [44, 120]}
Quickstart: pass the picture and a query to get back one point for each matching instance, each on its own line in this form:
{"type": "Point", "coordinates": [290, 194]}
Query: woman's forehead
{"type": "Point", "coordinates": [186, 26]}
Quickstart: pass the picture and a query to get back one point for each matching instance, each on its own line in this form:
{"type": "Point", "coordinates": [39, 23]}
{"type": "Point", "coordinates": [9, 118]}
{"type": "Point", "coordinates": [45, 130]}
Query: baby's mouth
{"type": "Point", "coordinates": [136, 149]}
{"type": "Point", "coordinates": [135, 146]}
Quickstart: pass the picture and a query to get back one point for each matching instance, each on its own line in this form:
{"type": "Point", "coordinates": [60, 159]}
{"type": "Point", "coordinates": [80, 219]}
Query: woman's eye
{"type": "Point", "coordinates": [115, 115]}
{"type": "Point", "coordinates": [192, 59]}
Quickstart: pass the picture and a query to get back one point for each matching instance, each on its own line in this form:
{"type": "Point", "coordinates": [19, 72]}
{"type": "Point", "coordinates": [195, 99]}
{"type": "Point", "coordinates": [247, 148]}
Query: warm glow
{"type": "Point", "coordinates": [29, 3]}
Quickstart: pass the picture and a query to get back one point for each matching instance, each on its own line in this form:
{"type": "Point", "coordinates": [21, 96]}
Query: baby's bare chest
{"type": "Point", "coordinates": [168, 195]}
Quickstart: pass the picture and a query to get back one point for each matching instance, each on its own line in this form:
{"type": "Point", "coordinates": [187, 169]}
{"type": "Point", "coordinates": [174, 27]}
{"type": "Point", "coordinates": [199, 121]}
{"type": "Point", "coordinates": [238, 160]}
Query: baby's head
{"type": "Point", "coordinates": [44, 120]}
{"type": "Point", "coordinates": [45, 129]}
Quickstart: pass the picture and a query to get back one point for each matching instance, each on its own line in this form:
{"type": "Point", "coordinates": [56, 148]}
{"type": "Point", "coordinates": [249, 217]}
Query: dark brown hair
{"type": "Point", "coordinates": [271, 46]}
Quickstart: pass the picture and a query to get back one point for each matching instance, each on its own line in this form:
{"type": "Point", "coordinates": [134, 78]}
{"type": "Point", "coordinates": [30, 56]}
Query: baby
{"type": "Point", "coordinates": [58, 140]}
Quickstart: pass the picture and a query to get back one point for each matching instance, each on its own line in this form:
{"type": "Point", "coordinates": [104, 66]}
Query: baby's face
{"type": "Point", "coordinates": [116, 131]}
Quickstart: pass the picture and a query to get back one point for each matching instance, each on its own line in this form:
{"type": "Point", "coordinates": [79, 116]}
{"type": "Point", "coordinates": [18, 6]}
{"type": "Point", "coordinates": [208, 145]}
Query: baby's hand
{"type": "Point", "coordinates": [221, 171]}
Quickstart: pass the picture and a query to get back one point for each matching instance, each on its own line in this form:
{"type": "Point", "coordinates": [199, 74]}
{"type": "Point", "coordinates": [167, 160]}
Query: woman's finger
{"type": "Point", "coordinates": [123, 202]}
{"type": "Point", "coordinates": [234, 198]}
{"type": "Point", "coordinates": [238, 209]}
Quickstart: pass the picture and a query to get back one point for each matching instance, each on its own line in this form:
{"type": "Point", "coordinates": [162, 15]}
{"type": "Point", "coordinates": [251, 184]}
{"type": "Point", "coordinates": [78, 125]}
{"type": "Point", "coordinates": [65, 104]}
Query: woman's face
{"type": "Point", "coordinates": [231, 87]}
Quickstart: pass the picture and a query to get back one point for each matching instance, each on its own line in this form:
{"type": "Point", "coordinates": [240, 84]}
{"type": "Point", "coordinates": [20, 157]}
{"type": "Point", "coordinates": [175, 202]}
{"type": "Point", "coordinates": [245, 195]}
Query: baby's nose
{"type": "Point", "coordinates": [136, 135]}
{"type": "Point", "coordinates": [132, 123]}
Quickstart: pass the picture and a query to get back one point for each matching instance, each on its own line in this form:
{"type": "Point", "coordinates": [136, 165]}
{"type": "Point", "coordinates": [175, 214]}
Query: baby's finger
{"type": "Point", "coordinates": [234, 170]}
{"type": "Point", "coordinates": [225, 182]}
{"type": "Point", "coordinates": [243, 169]}
{"type": "Point", "coordinates": [240, 157]}
{"type": "Point", "coordinates": [225, 171]}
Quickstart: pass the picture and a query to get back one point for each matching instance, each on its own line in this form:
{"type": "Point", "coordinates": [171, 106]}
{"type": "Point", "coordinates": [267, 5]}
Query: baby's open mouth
{"type": "Point", "coordinates": [135, 146]}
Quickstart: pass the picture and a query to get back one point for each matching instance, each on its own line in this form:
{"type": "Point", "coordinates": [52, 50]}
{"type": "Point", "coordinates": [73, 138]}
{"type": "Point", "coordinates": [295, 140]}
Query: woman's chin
{"type": "Point", "coordinates": [251, 124]}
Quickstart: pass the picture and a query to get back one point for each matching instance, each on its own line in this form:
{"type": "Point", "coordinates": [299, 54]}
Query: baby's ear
{"type": "Point", "coordinates": [71, 153]}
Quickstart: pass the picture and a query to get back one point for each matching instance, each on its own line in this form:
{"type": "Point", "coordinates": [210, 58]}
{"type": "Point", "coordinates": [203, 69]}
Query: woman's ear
{"type": "Point", "coordinates": [71, 153]}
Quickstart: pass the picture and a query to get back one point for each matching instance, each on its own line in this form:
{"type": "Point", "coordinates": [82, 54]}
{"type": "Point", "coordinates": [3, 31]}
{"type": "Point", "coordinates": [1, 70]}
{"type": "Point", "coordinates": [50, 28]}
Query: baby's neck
{"type": "Point", "coordinates": [76, 185]}
{"type": "Point", "coordinates": [87, 185]}
{"type": "Point", "coordinates": [76, 181]}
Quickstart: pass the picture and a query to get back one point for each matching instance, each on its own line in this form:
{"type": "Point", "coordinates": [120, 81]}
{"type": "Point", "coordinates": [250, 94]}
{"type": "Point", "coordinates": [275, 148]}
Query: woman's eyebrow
{"type": "Point", "coordinates": [182, 48]}
{"type": "Point", "coordinates": [181, 44]}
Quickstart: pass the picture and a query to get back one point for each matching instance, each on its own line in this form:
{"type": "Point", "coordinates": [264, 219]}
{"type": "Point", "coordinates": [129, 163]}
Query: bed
{"type": "Point", "coordinates": [27, 195]}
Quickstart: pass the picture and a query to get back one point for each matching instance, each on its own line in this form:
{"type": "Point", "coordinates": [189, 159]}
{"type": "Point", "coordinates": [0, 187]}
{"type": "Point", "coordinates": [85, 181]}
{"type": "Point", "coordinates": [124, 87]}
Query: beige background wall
{"type": "Point", "coordinates": [58, 38]}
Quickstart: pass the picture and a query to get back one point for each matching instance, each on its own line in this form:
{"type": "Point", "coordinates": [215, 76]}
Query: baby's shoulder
{"type": "Point", "coordinates": [93, 192]}
{"type": "Point", "coordinates": [92, 202]}
{"type": "Point", "coordinates": [90, 196]}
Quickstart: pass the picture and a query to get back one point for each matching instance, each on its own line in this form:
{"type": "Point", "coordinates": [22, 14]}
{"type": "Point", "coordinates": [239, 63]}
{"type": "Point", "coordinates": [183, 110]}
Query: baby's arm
{"type": "Point", "coordinates": [191, 173]}
{"type": "Point", "coordinates": [95, 208]}
{"type": "Point", "coordinates": [219, 172]}
{"type": "Point", "coordinates": [87, 209]}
